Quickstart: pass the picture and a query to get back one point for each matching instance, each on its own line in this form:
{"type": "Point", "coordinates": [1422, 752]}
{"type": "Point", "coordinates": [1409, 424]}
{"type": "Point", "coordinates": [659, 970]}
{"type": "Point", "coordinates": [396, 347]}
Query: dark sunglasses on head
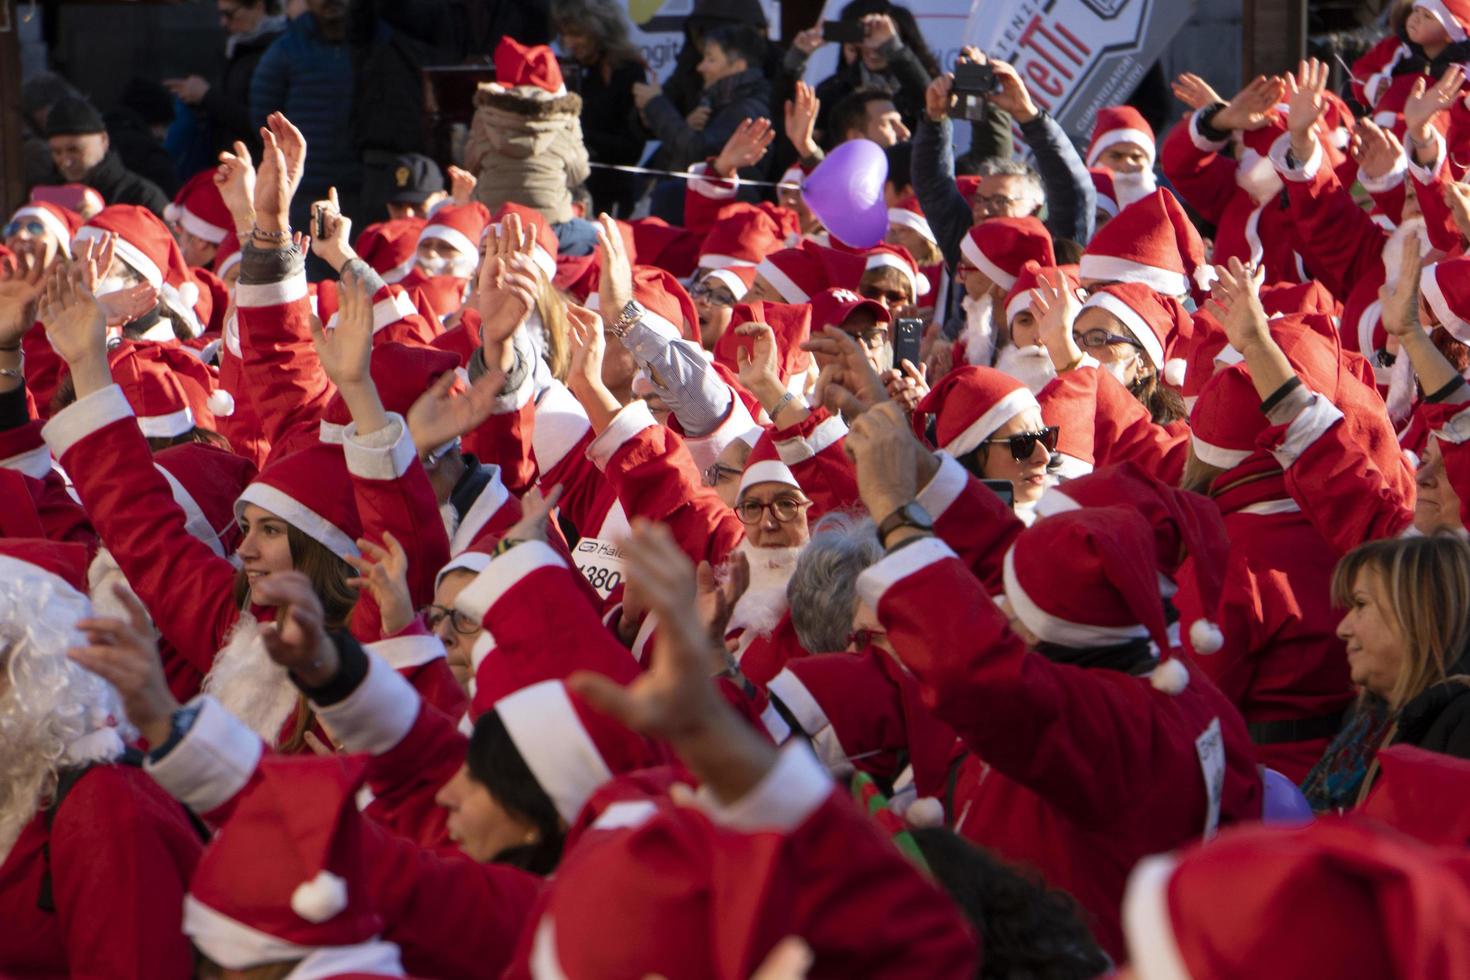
{"type": "Point", "coordinates": [1023, 444]}
{"type": "Point", "coordinates": [35, 228]}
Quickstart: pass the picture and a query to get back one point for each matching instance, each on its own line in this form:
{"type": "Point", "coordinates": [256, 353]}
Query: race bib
{"type": "Point", "coordinates": [1210, 747]}
{"type": "Point", "coordinates": [601, 564]}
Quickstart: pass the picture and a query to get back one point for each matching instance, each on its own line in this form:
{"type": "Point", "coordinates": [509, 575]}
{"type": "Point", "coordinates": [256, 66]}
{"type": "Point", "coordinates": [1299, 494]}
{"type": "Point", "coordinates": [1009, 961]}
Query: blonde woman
{"type": "Point", "coordinates": [1407, 630]}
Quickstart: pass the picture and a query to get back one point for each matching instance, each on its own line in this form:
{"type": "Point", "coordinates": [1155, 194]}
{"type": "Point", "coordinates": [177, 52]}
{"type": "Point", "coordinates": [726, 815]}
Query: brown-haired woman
{"type": "Point", "coordinates": [1407, 629]}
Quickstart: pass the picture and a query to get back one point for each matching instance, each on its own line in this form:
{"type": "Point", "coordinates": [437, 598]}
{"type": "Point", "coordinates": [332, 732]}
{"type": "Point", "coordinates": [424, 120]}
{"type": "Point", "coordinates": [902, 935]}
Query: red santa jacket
{"type": "Point", "coordinates": [1123, 431]}
{"type": "Point", "coordinates": [119, 853]}
{"type": "Point", "coordinates": [1090, 770]}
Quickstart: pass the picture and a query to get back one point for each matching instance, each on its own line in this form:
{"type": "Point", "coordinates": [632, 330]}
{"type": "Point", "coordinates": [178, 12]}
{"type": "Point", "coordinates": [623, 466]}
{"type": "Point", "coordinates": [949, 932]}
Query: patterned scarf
{"type": "Point", "coordinates": [1335, 781]}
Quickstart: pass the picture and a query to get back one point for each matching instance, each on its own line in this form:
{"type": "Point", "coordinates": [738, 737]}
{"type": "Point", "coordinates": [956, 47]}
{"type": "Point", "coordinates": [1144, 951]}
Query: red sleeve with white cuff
{"type": "Point", "coordinates": [1197, 170]}
{"type": "Point", "coordinates": [971, 520]}
{"type": "Point", "coordinates": [1429, 190]}
{"type": "Point", "coordinates": [813, 451]}
{"type": "Point", "coordinates": [560, 440]}
{"type": "Point", "coordinates": [507, 438]}
{"type": "Point", "coordinates": [280, 368]}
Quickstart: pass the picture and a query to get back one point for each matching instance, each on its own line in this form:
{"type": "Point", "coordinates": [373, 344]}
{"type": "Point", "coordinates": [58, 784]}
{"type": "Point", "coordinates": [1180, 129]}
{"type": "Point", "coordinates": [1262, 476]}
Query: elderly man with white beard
{"type": "Point", "coordinates": [94, 857]}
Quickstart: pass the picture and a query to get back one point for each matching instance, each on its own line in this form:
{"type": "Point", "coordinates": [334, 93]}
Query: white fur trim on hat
{"type": "Point", "coordinates": [542, 722]}
{"type": "Point", "coordinates": [731, 281]}
{"type": "Point", "coordinates": [468, 561]}
{"type": "Point", "coordinates": [1054, 629]}
{"type": "Point", "coordinates": [1012, 404]}
{"type": "Point", "coordinates": [55, 227]}
{"type": "Point", "coordinates": [767, 471]}
{"type": "Point", "coordinates": [926, 811]}
{"type": "Point", "coordinates": [299, 516]}
{"type": "Point", "coordinates": [1434, 296]}
{"type": "Point", "coordinates": [454, 237]}
{"type": "Point", "coordinates": [789, 290]}
{"type": "Point", "coordinates": [1217, 456]}
{"type": "Point", "coordinates": [166, 426]}
{"type": "Point", "coordinates": [1112, 268]}
{"type": "Point", "coordinates": [1446, 18]}
{"type": "Point", "coordinates": [1019, 304]}
{"type": "Point", "coordinates": [1134, 323]}
{"type": "Point", "coordinates": [231, 943]}
{"type": "Point", "coordinates": [200, 228]}
{"type": "Point", "coordinates": [127, 251]}
{"type": "Point", "coordinates": [981, 261]}
{"type": "Point", "coordinates": [913, 221]}
{"type": "Point", "coordinates": [713, 261]}
{"type": "Point", "coordinates": [887, 260]}
{"type": "Point", "coordinates": [1154, 951]}
{"type": "Point", "coordinates": [1113, 137]}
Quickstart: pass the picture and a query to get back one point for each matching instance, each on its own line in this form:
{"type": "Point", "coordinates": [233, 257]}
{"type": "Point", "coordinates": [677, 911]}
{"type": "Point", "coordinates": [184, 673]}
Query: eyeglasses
{"type": "Point", "coordinates": [458, 621]}
{"type": "Point", "coordinates": [1023, 444]}
{"type": "Point", "coordinates": [873, 338]}
{"type": "Point", "coordinates": [716, 473]}
{"type": "Point", "coordinates": [892, 296]}
{"type": "Point", "coordinates": [34, 228]}
{"type": "Point", "coordinates": [996, 203]}
{"type": "Point", "coordinates": [1097, 338]}
{"type": "Point", "coordinates": [783, 509]}
{"type": "Point", "coordinates": [713, 295]}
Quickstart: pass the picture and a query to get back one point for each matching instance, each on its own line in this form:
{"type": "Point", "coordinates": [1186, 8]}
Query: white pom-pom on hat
{"type": "Point", "coordinates": [221, 402]}
{"type": "Point", "coordinates": [188, 293]}
{"type": "Point", "coordinates": [926, 811]}
{"type": "Point", "coordinates": [1205, 636]}
{"type": "Point", "coordinates": [1171, 676]}
{"type": "Point", "coordinates": [1174, 371]}
{"type": "Point", "coordinates": [320, 898]}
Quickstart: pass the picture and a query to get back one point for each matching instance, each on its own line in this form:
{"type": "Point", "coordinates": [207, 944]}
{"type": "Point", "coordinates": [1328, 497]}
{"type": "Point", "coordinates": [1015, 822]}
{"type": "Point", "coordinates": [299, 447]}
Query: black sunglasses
{"type": "Point", "coordinates": [1023, 444]}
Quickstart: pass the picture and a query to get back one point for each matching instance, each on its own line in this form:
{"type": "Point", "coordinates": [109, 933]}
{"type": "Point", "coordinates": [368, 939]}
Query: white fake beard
{"type": "Point", "coordinates": [1257, 176]}
{"type": "Point", "coordinates": [1119, 369]}
{"type": "Point", "coordinates": [250, 685]}
{"type": "Point", "coordinates": [1031, 366]}
{"type": "Point", "coordinates": [1393, 249]}
{"type": "Point", "coordinates": [760, 608]}
{"type": "Point", "coordinates": [979, 332]}
{"type": "Point", "coordinates": [460, 266]}
{"type": "Point", "coordinates": [1135, 186]}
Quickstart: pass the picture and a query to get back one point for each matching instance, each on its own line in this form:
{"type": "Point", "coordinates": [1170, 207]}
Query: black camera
{"type": "Point", "coordinates": [973, 84]}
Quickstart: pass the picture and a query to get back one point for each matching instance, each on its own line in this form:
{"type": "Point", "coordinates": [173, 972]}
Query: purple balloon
{"type": "Point", "coordinates": [846, 193]}
{"type": "Point", "coordinates": [1283, 802]}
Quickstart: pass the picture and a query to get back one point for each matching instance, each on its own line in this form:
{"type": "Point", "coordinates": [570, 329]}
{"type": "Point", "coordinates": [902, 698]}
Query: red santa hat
{"type": "Point", "coordinates": [169, 389]}
{"type": "Point", "coordinates": [1107, 197]}
{"type": "Point", "coordinates": [846, 708]}
{"type": "Point", "coordinates": [910, 215]}
{"type": "Point", "coordinates": [1398, 908]}
{"type": "Point", "coordinates": [832, 307]}
{"type": "Point", "coordinates": [60, 223]}
{"type": "Point", "coordinates": [968, 186]}
{"type": "Point", "coordinates": [61, 563]}
{"type": "Point", "coordinates": [200, 209]}
{"type": "Point", "coordinates": [1226, 419]}
{"type": "Point", "coordinates": [227, 255]}
{"type": "Point", "coordinates": [205, 481]}
{"type": "Point", "coordinates": [1001, 247]}
{"type": "Point", "coordinates": [969, 404]}
{"type": "Point", "coordinates": [669, 308]}
{"type": "Point", "coordinates": [1149, 318]}
{"type": "Point", "coordinates": [527, 69]}
{"type": "Point", "coordinates": [1184, 524]}
{"type": "Point", "coordinates": [243, 910]}
{"type": "Point", "coordinates": [1151, 242]}
{"type": "Point", "coordinates": [1019, 299]}
{"type": "Point", "coordinates": [391, 247]}
{"type": "Point", "coordinates": [887, 256]}
{"type": "Point", "coordinates": [570, 748]}
{"type": "Point", "coordinates": [796, 273]}
{"type": "Point", "coordinates": [1446, 289]}
{"type": "Point", "coordinates": [1073, 408]}
{"type": "Point", "coordinates": [1088, 578]}
{"type": "Point", "coordinates": [764, 465]}
{"type": "Point", "coordinates": [147, 246]}
{"type": "Point", "coordinates": [1453, 15]}
{"type": "Point", "coordinates": [460, 226]}
{"type": "Point", "coordinates": [737, 279]}
{"type": "Point", "coordinates": [843, 266]}
{"type": "Point", "coordinates": [311, 490]}
{"type": "Point", "coordinates": [743, 234]}
{"type": "Point", "coordinates": [1121, 124]}
{"type": "Point", "coordinates": [547, 250]}
{"type": "Point", "coordinates": [790, 322]}
{"type": "Point", "coordinates": [401, 373]}
{"type": "Point", "coordinates": [1421, 793]}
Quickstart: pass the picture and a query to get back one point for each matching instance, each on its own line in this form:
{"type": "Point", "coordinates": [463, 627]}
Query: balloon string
{"type": "Point", "coordinates": [686, 175]}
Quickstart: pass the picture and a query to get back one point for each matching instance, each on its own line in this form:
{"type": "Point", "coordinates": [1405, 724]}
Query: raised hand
{"type": "Point", "coordinates": [297, 639]}
{"type": "Point", "coordinates": [74, 322]}
{"type": "Point", "coordinates": [615, 287]}
{"type": "Point", "coordinates": [1194, 91]}
{"type": "Point", "coordinates": [461, 184]}
{"type": "Point", "coordinates": [716, 599]}
{"type": "Point", "coordinates": [698, 118]}
{"type": "Point", "coordinates": [293, 149]}
{"type": "Point", "coordinates": [383, 571]}
{"type": "Point", "coordinates": [536, 510]}
{"type": "Point", "coordinates": [346, 352]}
{"type": "Point", "coordinates": [907, 385]}
{"type": "Point", "coordinates": [849, 383]}
{"type": "Point", "coordinates": [331, 232]}
{"type": "Point", "coordinates": [938, 97]}
{"type": "Point", "coordinates": [1427, 101]}
{"type": "Point", "coordinates": [588, 349]}
{"type": "Point", "coordinates": [20, 287]}
{"type": "Point", "coordinates": [878, 30]}
{"type": "Point", "coordinates": [809, 40]}
{"type": "Point", "coordinates": [272, 193]}
{"type": "Point", "coordinates": [1400, 305]}
{"type": "Point", "coordinates": [235, 178]}
{"type": "Point", "coordinates": [123, 653]}
{"type": "Point", "coordinates": [442, 414]}
{"type": "Point", "coordinates": [505, 295]}
{"type": "Point", "coordinates": [1235, 301]}
{"type": "Point", "coordinates": [1013, 96]}
{"type": "Point", "coordinates": [1376, 150]}
{"type": "Point", "coordinates": [886, 455]}
{"type": "Point", "coordinates": [1251, 107]}
{"type": "Point", "coordinates": [1055, 307]}
{"type": "Point", "coordinates": [760, 372]}
{"type": "Point", "coordinates": [745, 147]}
{"type": "Point", "coordinates": [1307, 101]}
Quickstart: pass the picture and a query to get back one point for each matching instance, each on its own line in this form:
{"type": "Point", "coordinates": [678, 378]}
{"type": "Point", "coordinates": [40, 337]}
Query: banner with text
{"type": "Point", "coordinates": [1077, 56]}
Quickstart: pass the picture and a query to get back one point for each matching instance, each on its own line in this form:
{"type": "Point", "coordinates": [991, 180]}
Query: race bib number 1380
{"type": "Point", "coordinates": [601, 563]}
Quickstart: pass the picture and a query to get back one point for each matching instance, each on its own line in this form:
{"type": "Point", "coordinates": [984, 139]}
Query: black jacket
{"type": "Point", "coordinates": [684, 86]}
{"type": "Point", "coordinates": [1438, 720]}
{"type": "Point", "coordinates": [612, 131]}
{"type": "Point", "coordinates": [119, 185]}
{"type": "Point", "coordinates": [731, 100]}
{"type": "Point", "coordinates": [227, 102]}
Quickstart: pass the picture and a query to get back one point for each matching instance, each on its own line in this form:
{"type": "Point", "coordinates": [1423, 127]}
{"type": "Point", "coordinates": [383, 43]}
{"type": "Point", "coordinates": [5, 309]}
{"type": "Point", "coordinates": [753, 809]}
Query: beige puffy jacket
{"type": "Point", "coordinates": [527, 150]}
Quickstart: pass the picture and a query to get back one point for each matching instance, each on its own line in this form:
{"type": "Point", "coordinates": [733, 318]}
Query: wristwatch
{"type": "Point", "coordinates": [630, 315]}
{"type": "Point", "coordinates": [909, 515]}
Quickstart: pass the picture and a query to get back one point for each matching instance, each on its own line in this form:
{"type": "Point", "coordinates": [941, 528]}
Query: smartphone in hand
{"type": "Point", "coordinates": [908, 331]}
